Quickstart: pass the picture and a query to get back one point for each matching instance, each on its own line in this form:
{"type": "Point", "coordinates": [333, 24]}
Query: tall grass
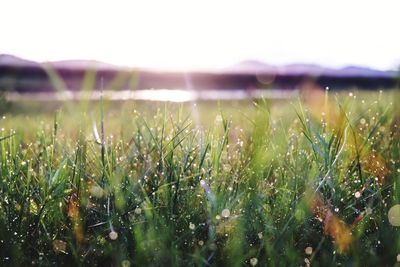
{"type": "Point", "coordinates": [299, 185]}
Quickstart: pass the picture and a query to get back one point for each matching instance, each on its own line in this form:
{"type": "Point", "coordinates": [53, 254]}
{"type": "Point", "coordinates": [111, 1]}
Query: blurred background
{"type": "Point", "coordinates": [191, 50]}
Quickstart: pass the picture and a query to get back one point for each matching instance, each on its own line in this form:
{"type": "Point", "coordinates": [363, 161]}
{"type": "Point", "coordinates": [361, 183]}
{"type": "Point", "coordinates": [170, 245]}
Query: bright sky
{"type": "Point", "coordinates": [204, 34]}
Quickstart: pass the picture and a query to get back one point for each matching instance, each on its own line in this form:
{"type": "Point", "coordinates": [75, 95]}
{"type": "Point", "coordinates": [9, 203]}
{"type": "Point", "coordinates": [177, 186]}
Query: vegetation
{"type": "Point", "coordinates": [313, 182]}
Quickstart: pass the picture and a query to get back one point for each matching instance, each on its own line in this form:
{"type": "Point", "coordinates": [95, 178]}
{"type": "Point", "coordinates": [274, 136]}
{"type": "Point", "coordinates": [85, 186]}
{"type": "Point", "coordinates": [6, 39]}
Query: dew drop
{"type": "Point", "coordinates": [253, 261]}
{"type": "Point", "coordinates": [225, 213]}
{"type": "Point", "coordinates": [113, 235]}
{"type": "Point", "coordinates": [138, 210]}
{"type": "Point", "coordinates": [125, 263]}
{"type": "Point", "coordinates": [394, 215]}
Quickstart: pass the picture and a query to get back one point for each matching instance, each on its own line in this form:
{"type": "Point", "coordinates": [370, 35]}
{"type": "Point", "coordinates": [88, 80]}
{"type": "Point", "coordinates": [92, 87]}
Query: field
{"type": "Point", "coordinates": [313, 181]}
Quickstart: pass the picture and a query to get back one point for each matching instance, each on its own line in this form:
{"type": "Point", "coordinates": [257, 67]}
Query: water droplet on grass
{"type": "Point", "coordinates": [113, 235]}
{"type": "Point", "coordinates": [253, 261]}
{"type": "Point", "coordinates": [138, 210]}
{"type": "Point", "coordinates": [308, 250]}
{"type": "Point", "coordinates": [225, 213]}
{"type": "Point", "coordinates": [125, 263]}
{"type": "Point", "coordinates": [394, 215]}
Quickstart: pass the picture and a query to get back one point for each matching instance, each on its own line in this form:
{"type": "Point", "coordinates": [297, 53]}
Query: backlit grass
{"type": "Point", "coordinates": [302, 182]}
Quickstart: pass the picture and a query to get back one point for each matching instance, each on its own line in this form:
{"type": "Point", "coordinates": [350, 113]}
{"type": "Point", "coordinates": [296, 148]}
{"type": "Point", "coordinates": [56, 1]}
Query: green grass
{"type": "Point", "coordinates": [220, 184]}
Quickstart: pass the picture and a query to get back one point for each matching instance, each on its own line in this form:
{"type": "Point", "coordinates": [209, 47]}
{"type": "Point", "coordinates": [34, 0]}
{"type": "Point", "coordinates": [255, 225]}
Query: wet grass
{"type": "Point", "coordinates": [307, 182]}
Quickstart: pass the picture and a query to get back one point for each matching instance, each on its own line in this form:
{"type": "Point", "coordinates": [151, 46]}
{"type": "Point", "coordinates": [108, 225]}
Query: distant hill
{"type": "Point", "coordinates": [257, 67]}
{"type": "Point", "coordinates": [245, 67]}
{"type": "Point", "coordinates": [28, 76]}
{"type": "Point", "coordinates": [13, 61]}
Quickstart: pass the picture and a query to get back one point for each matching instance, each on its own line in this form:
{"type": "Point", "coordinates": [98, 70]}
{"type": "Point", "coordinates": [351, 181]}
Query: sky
{"type": "Point", "coordinates": [180, 35]}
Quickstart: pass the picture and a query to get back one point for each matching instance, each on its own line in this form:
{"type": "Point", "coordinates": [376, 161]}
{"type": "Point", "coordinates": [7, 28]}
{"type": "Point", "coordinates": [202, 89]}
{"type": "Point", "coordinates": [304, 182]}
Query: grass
{"type": "Point", "coordinates": [220, 184]}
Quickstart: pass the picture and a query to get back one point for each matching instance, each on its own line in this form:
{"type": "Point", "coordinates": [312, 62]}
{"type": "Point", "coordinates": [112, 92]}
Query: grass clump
{"type": "Point", "coordinates": [172, 185]}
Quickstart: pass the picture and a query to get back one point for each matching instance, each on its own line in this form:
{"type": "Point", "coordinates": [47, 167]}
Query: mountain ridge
{"type": "Point", "coordinates": [245, 67]}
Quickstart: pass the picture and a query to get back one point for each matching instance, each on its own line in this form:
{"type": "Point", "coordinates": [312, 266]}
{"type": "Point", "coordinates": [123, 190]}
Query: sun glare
{"type": "Point", "coordinates": [208, 34]}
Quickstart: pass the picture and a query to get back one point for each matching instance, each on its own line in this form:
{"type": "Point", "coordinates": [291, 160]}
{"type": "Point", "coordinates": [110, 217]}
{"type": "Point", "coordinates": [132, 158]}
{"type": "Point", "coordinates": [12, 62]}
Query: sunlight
{"type": "Point", "coordinates": [165, 95]}
{"type": "Point", "coordinates": [183, 35]}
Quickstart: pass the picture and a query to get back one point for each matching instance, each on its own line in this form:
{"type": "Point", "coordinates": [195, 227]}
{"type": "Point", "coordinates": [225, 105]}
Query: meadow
{"type": "Point", "coordinates": [313, 181]}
